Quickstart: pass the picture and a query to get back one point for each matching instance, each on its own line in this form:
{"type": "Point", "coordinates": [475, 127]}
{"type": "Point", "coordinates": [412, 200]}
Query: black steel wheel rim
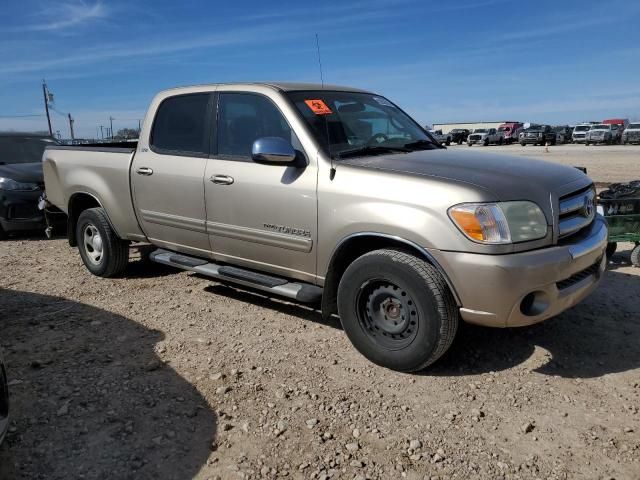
{"type": "Point", "coordinates": [387, 314]}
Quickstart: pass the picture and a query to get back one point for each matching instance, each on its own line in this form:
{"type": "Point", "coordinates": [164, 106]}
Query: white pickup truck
{"type": "Point", "coordinates": [486, 136]}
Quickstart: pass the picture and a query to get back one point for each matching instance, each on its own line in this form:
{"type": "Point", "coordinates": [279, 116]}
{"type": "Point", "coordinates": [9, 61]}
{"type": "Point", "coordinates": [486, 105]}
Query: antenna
{"type": "Point", "coordinates": [332, 172]}
{"type": "Point", "coordinates": [319, 60]}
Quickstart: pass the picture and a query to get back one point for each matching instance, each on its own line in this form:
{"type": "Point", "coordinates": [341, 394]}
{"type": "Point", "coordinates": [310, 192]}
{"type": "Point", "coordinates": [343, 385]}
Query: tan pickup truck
{"type": "Point", "coordinates": [333, 195]}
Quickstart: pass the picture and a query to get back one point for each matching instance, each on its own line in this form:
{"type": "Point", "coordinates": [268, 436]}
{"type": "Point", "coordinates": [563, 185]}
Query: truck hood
{"type": "Point", "coordinates": [23, 172]}
{"type": "Point", "coordinates": [502, 177]}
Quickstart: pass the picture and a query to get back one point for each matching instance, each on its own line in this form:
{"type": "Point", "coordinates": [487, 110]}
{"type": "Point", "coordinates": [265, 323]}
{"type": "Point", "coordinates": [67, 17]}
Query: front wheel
{"type": "Point", "coordinates": [102, 251]}
{"type": "Point", "coordinates": [397, 310]}
{"type": "Point", "coordinates": [469, 143]}
{"type": "Point", "coordinates": [523, 144]}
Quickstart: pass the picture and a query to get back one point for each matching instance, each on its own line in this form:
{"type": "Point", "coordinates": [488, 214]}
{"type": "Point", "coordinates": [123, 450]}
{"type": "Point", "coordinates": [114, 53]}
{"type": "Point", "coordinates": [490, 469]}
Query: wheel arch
{"type": "Point", "coordinates": [357, 244]}
{"type": "Point", "coordinates": [78, 203]}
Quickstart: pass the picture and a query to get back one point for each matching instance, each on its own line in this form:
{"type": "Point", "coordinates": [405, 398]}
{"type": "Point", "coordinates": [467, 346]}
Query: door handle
{"type": "Point", "coordinates": [221, 179]}
{"type": "Point", "coordinates": [144, 171]}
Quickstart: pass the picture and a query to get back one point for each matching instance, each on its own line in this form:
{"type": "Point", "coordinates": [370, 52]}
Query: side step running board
{"type": "Point", "coordinates": [302, 292]}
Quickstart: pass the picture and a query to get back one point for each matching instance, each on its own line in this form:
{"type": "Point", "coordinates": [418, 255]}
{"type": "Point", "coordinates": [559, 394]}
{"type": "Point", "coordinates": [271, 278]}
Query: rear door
{"type": "Point", "coordinates": [167, 177]}
{"type": "Point", "coordinates": [263, 216]}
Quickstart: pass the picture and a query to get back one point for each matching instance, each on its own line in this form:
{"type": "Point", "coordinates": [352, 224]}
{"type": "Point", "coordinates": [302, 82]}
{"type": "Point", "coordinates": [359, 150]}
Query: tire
{"type": "Point", "coordinates": [500, 141]}
{"type": "Point", "coordinates": [586, 144]}
{"type": "Point", "coordinates": [611, 249]}
{"type": "Point", "coordinates": [486, 142]}
{"type": "Point", "coordinates": [523, 144]}
{"type": "Point", "coordinates": [460, 142]}
{"type": "Point", "coordinates": [407, 285]}
{"type": "Point", "coordinates": [103, 253]}
{"type": "Point", "coordinates": [635, 256]}
{"type": "Point", "coordinates": [448, 142]}
{"type": "Point", "coordinates": [470, 144]}
{"type": "Point", "coordinates": [554, 141]}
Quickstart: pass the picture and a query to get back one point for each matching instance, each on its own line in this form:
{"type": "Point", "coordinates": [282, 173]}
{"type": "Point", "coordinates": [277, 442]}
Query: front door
{"type": "Point", "coordinates": [167, 178]}
{"type": "Point", "coordinates": [262, 216]}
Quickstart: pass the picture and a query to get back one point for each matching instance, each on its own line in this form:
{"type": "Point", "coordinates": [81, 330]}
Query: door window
{"type": "Point", "coordinates": [245, 117]}
{"type": "Point", "coordinates": [180, 126]}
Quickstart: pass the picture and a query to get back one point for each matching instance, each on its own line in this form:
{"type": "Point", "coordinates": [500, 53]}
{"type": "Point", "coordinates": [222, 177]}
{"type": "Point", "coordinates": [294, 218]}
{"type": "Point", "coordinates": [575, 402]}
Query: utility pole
{"type": "Point", "coordinates": [45, 94]}
{"type": "Point", "coordinates": [71, 120]}
{"type": "Point", "coordinates": [139, 127]}
{"type": "Point", "coordinates": [101, 133]}
{"type": "Point", "coordinates": [111, 123]}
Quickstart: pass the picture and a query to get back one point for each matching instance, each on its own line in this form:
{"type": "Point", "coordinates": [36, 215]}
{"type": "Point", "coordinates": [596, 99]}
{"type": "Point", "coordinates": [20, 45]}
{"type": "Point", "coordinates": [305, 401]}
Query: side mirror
{"type": "Point", "coordinates": [272, 150]}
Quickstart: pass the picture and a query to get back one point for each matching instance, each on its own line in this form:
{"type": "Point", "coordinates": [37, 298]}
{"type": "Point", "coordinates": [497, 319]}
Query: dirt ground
{"type": "Point", "coordinates": [165, 375]}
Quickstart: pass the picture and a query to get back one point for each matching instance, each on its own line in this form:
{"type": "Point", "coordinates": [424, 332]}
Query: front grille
{"type": "Point", "coordinates": [475, 137]}
{"type": "Point", "coordinates": [578, 277]}
{"type": "Point", "coordinates": [579, 135]}
{"type": "Point", "coordinates": [576, 211]}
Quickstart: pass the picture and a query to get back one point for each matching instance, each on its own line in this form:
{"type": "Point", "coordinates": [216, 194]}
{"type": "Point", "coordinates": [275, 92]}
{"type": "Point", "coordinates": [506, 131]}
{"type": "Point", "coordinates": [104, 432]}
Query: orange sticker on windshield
{"type": "Point", "coordinates": [318, 107]}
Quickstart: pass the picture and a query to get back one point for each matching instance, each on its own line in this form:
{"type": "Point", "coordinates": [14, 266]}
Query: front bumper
{"type": "Point", "coordinates": [531, 140]}
{"type": "Point", "coordinates": [529, 287]}
{"type": "Point", "coordinates": [476, 141]}
{"type": "Point", "coordinates": [19, 211]}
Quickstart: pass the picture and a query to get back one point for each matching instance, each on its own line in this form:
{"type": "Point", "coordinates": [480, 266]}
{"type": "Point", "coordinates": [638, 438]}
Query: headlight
{"type": "Point", "coordinates": [10, 184]}
{"type": "Point", "coordinates": [499, 223]}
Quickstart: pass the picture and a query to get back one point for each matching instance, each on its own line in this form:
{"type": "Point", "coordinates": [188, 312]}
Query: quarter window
{"type": "Point", "coordinates": [245, 117]}
{"type": "Point", "coordinates": [179, 126]}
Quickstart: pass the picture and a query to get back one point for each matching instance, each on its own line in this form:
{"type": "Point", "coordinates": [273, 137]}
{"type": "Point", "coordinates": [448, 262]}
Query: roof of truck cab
{"type": "Point", "coordinates": [282, 86]}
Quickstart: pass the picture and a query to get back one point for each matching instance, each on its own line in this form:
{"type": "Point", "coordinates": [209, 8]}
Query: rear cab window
{"type": "Point", "coordinates": [182, 125]}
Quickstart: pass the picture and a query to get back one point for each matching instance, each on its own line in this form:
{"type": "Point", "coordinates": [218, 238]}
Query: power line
{"type": "Point", "coordinates": [21, 116]}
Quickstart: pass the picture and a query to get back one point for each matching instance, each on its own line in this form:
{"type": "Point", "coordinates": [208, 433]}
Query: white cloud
{"type": "Point", "coordinates": [65, 15]}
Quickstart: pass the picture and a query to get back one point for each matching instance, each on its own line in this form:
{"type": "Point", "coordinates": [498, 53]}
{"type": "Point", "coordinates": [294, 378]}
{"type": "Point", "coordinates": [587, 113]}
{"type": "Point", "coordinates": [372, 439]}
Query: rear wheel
{"type": "Point", "coordinates": [611, 249]}
{"type": "Point", "coordinates": [523, 144]}
{"type": "Point", "coordinates": [397, 310]}
{"type": "Point", "coordinates": [486, 142]}
{"type": "Point", "coordinates": [102, 251]}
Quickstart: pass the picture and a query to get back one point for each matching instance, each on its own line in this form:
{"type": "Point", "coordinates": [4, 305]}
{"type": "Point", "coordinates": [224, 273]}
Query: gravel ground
{"type": "Point", "coordinates": [605, 163]}
{"type": "Point", "coordinates": [166, 375]}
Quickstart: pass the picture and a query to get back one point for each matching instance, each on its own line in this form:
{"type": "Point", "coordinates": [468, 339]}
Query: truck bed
{"type": "Point", "coordinates": [100, 171]}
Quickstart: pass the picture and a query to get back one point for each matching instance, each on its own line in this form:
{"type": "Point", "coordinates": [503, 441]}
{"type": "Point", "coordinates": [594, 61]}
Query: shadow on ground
{"type": "Point", "coordinates": [91, 399]}
{"type": "Point", "coordinates": [595, 338]}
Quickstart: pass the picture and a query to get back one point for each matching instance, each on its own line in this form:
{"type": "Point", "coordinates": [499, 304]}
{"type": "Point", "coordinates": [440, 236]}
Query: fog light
{"type": "Point", "coordinates": [534, 303]}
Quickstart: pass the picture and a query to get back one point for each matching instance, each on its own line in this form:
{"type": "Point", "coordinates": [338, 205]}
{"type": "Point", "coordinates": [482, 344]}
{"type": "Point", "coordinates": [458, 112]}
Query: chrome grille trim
{"type": "Point", "coordinates": [576, 211]}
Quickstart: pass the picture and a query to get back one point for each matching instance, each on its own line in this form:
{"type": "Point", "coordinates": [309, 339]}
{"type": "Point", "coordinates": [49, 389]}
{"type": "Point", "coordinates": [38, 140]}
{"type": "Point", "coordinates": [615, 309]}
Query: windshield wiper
{"type": "Point", "coordinates": [371, 150]}
{"type": "Point", "coordinates": [421, 143]}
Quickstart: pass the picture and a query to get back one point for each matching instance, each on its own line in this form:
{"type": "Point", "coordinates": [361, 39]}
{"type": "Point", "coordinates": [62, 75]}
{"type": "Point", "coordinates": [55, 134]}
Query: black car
{"type": "Point", "coordinates": [563, 133]}
{"type": "Point", "coordinates": [4, 400]}
{"type": "Point", "coordinates": [538, 134]}
{"type": "Point", "coordinates": [459, 135]}
{"type": "Point", "coordinates": [21, 181]}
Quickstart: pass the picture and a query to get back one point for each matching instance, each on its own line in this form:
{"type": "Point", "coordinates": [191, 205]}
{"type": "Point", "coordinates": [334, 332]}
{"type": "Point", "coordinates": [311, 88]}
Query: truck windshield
{"type": "Point", "coordinates": [480, 130]}
{"type": "Point", "coordinates": [354, 123]}
{"type": "Point", "coordinates": [23, 149]}
{"type": "Point", "coordinates": [634, 126]}
{"type": "Point", "coordinates": [583, 128]}
{"type": "Point", "coordinates": [600, 127]}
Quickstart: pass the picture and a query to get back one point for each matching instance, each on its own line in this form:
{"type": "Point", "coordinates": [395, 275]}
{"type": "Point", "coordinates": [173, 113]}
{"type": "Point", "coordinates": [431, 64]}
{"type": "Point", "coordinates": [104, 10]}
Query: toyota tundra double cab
{"type": "Point", "coordinates": [335, 196]}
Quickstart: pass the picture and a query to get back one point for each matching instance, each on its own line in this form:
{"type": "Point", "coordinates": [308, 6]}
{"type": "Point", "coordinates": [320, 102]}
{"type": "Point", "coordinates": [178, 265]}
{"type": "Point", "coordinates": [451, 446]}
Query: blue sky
{"type": "Point", "coordinates": [545, 61]}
